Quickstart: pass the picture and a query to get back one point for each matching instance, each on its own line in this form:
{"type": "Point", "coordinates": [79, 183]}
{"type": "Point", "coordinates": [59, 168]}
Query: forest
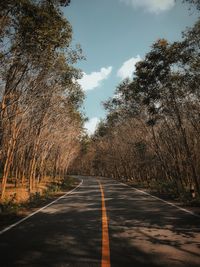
{"type": "Point", "coordinates": [151, 135]}
{"type": "Point", "coordinates": [40, 121]}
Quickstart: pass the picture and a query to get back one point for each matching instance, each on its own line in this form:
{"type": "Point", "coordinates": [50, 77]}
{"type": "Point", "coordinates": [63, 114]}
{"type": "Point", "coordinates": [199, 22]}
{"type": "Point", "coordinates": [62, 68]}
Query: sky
{"type": "Point", "coordinates": [114, 36]}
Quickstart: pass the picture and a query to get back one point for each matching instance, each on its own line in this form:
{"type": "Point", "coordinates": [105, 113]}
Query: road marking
{"type": "Point", "coordinates": [157, 198]}
{"type": "Point", "coordinates": [37, 211]}
{"type": "Point", "coordinates": [105, 259]}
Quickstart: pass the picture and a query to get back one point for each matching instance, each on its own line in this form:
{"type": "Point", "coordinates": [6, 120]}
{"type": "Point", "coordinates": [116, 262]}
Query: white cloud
{"type": "Point", "coordinates": [91, 125]}
{"type": "Point", "coordinates": [152, 6]}
{"type": "Point", "coordinates": [128, 68]}
{"type": "Point", "coordinates": [94, 79]}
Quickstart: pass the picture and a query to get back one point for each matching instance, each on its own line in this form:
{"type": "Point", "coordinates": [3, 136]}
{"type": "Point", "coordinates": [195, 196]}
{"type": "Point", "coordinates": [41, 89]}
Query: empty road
{"type": "Point", "coordinates": [104, 223]}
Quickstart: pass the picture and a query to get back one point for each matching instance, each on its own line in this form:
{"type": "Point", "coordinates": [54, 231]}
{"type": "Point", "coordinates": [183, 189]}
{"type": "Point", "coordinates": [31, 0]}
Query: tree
{"type": "Point", "coordinates": [196, 3]}
{"type": "Point", "coordinates": [38, 84]}
{"type": "Point", "coordinates": [151, 132]}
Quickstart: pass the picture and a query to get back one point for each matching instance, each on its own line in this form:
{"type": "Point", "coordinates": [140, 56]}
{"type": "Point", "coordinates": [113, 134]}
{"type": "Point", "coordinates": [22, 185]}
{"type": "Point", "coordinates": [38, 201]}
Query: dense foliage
{"type": "Point", "coordinates": [152, 131]}
{"type": "Point", "coordinates": [40, 122]}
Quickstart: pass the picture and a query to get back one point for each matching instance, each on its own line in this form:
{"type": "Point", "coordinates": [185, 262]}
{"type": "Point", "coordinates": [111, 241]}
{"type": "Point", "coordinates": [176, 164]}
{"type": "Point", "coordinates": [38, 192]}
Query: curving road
{"type": "Point", "coordinates": [104, 224]}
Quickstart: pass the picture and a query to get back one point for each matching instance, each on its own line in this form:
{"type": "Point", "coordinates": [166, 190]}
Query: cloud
{"type": "Point", "coordinates": [94, 79]}
{"type": "Point", "coordinates": [128, 67]}
{"type": "Point", "coordinates": [152, 6]}
{"type": "Point", "coordinates": [91, 125]}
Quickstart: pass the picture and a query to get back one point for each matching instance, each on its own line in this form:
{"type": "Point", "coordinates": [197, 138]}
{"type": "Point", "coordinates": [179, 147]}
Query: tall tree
{"type": "Point", "coordinates": [37, 77]}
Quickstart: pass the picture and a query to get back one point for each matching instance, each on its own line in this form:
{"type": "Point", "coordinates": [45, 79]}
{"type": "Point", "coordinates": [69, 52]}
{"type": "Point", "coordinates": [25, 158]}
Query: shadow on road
{"type": "Point", "coordinates": [148, 232]}
{"type": "Point", "coordinates": [143, 232]}
{"type": "Point", "coordinates": [67, 233]}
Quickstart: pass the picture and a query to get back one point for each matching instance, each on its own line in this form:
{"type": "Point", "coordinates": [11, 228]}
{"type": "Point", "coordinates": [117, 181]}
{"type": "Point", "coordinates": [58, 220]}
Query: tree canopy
{"type": "Point", "coordinates": [151, 133]}
{"type": "Point", "coordinates": [40, 122]}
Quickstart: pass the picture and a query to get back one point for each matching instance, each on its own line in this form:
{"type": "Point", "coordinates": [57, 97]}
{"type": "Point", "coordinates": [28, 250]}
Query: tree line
{"type": "Point", "coordinates": [151, 134]}
{"type": "Point", "coordinates": [40, 121]}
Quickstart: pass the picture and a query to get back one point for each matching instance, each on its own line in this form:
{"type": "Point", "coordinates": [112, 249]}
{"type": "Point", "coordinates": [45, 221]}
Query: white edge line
{"type": "Point", "coordinates": [157, 198]}
{"type": "Point", "coordinates": [37, 211]}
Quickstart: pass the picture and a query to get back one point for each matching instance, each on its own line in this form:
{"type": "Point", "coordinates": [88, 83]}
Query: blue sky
{"type": "Point", "coordinates": [114, 35]}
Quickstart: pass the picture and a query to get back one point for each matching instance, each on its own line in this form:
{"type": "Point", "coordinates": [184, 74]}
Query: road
{"type": "Point", "coordinates": [137, 231]}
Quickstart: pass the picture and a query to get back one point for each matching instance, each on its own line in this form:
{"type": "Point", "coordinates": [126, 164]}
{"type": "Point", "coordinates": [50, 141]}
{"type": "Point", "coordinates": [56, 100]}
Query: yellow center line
{"type": "Point", "coordinates": [105, 260]}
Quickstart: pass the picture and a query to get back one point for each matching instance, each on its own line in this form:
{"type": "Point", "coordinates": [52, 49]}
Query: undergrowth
{"type": "Point", "coordinates": [168, 190]}
{"type": "Point", "coordinates": [10, 206]}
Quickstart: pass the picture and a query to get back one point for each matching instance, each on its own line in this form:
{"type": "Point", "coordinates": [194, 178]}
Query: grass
{"type": "Point", "coordinates": [11, 210]}
{"type": "Point", "coordinates": [168, 190]}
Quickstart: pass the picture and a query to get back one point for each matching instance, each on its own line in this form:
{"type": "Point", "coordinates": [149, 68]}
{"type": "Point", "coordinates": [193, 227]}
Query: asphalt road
{"type": "Point", "coordinates": [143, 231]}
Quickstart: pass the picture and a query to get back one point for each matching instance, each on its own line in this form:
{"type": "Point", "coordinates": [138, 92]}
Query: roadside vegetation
{"type": "Point", "coordinates": [151, 135]}
{"type": "Point", "coordinates": [12, 209]}
{"type": "Point", "coordinates": [40, 121]}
